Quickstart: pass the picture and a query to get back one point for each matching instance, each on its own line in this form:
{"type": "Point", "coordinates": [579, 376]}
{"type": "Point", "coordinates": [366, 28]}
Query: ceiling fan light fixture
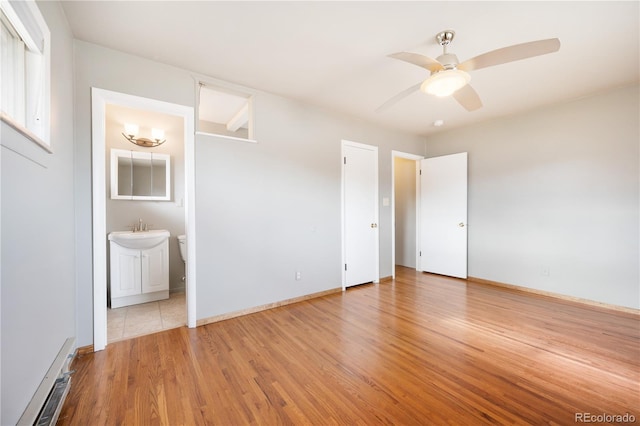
{"type": "Point", "coordinates": [445, 83]}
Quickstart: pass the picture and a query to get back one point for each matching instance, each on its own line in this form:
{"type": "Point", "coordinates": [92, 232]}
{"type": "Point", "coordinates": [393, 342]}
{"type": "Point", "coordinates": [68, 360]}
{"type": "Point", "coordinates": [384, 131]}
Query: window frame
{"type": "Point", "coordinates": [233, 91]}
{"type": "Point", "coordinates": [30, 25]}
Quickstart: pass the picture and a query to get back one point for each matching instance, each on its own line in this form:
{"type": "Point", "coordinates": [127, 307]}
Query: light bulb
{"type": "Point", "coordinates": [445, 83]}
{"type": "Point", "coordinates": [157, 134]}
{"type": "Point", "coordinates": [130, 129]}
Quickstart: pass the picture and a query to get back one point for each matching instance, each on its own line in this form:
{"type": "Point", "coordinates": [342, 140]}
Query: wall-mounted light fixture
{"type": "Point", "coordinates": [131, 131]}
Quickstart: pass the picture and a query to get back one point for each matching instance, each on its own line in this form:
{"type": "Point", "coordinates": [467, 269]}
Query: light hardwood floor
{"type": "Point", "coordinates": [422, 349]}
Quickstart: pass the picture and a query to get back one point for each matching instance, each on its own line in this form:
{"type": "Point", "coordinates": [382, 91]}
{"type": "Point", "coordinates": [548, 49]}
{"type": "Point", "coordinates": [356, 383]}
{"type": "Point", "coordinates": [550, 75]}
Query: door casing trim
{"type": "Point", "coordinates": [99, 100]}
{"type": "Point", "coordinates": [416, 158]}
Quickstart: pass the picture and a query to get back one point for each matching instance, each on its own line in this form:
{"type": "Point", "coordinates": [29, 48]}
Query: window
{"type": "Point", "coordinates": [224, 112]}
{"type": "Point", "coordinates": [24, 70]}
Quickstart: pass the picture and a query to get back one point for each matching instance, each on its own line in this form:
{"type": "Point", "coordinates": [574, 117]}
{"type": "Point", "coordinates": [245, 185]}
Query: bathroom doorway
{"type": "Point", "coordinates": [134, 201]}
{"type": "Point", "coordinates": [110, 111]}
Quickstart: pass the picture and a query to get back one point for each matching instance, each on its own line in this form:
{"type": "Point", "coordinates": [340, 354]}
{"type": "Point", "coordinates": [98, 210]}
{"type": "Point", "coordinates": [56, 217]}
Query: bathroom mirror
{"type": "Point", "coordinates": [140, 175]}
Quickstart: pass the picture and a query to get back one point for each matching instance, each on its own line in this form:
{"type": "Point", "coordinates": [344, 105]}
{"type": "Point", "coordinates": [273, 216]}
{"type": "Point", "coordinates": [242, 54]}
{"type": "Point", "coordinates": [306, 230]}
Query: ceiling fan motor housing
{"type": "Point", "coordinates": [449, 61]}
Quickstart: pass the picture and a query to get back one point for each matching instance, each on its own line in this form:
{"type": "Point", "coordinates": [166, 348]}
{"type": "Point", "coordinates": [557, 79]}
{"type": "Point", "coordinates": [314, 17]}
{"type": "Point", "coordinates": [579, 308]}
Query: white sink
{"type": "Point", "coordinates": [139, 239]}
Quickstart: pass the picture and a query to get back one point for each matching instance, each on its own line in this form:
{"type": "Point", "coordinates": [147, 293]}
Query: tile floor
{"type": "Point", "coordinates": [137, 320]}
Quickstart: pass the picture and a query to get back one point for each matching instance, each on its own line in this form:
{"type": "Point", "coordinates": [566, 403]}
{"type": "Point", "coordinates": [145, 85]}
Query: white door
{"type": "Point", "coordinates": [360, 213]}
{"type": "Point", "coordinates": [125, 271]}
{"type": "Point", "coordinates": [443, 211]}
{"type": "Point", "coordinates": [155, 268]}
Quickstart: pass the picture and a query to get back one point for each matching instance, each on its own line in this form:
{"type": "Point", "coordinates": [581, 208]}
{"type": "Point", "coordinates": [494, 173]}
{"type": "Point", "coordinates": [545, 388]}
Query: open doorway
{"type": "Point", "coordinates": [101, 99]}
{"type": "Point", "coordinates": [405, 207]}
{"type": "Point", "coordinates": [146, 185]}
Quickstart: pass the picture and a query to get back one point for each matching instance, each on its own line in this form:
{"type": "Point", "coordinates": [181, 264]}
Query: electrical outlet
{"type": "Point", "coordinates": [298, 275]}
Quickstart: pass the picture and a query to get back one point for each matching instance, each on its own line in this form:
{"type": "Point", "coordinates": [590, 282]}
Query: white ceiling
{"type": "Point", "coordinates": [334, 54]}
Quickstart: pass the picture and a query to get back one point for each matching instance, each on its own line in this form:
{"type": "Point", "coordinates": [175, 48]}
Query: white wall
{"type": "Point", "coordinates": [554, 197]}
{"type": "Point", "coordinates": [263, 210]}
{"type": "Point", "coordinates": [38, 265]}
{"type": "Point", "coordinates": [267, 210]}
{"type": "Point", "coordinates": [405, 203]}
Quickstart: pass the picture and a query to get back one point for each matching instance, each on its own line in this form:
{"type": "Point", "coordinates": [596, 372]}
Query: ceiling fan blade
{"type": "Point", "coordinates": [394, 100]}
{"type": "Point", "coordinates": [419, 60]}
{"type": "Point", "coordinates": [468, 98]}
{"type": "Point", "coordinates": [511, 53]}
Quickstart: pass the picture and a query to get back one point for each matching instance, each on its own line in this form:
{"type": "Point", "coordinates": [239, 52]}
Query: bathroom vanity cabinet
{"type": "Point", "coordinates": [139, 275]}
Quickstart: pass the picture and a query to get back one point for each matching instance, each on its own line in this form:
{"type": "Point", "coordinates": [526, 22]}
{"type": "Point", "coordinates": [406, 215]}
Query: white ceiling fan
{"type": "Point", "coordinates": [450, 77]}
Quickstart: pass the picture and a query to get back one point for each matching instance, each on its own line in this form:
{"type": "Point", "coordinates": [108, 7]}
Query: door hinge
{"type": "Point", "coordinates": [345, 160]}
{"type": "Point", "coordinates": [420, 172]}
{"type": "Point", "coordinates": [345, 266]}
{"type": "Point", "coordinates": [420, 254]}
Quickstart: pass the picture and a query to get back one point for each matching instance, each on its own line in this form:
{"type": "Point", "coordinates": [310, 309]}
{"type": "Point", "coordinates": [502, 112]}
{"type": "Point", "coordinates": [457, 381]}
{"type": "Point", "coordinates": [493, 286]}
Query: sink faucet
{"type": "Point", "coordinates": [140, 226]}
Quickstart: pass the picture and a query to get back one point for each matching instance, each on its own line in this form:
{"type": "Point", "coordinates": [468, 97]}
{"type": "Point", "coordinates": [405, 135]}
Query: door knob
{"type": "Point", "coordinates": [374, 225]}
{"type": "Point", "coordinates": [461, 224]}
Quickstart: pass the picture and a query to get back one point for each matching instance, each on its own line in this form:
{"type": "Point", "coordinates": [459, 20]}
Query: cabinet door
{"type": "Point", "coordinates": [155, 268]}
{"type": "Point", "coordinates": [125, 271]}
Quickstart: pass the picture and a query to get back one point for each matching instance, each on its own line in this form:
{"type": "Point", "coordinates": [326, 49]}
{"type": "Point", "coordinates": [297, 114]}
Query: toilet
{"type": "Point", "coordinates": [182, 243]}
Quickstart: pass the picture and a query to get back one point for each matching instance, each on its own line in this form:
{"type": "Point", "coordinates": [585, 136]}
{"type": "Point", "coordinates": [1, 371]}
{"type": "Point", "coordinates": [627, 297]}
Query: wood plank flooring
{"type": "Point", "coordinates": [422, 349]}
